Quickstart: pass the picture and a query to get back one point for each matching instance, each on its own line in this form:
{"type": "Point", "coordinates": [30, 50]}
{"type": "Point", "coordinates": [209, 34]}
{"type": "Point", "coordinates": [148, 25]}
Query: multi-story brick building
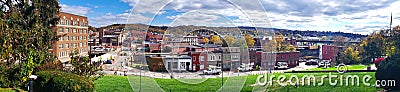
{"type": "Point", "coordinates": [267, 60]}
{"type": "Point", "coordinates": [328, 52]}
{"type": "Point", "coordinates": [73, 32]}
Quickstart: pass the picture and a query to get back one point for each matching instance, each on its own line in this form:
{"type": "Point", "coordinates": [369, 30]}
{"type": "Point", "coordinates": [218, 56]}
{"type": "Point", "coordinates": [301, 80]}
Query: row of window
{"type": "Point", "coordinates": [66, 30]}
{"type": "Point", "coordinates": [212, 57]}
{"type": "Point", "coordinates": [73, 38]}
{"type": "Point", "coordinates": [73, 23]}
{"type": "Point", "coordinates": [66, 53]}
{"type": "Point", "coordinates": [74, 45]}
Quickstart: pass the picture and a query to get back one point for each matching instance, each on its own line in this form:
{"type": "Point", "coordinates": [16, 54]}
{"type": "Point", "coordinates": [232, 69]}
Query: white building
{"type": "Point", "coordinates": [181, 63]}
{"type": "Point", "coordinates": [192, 40]}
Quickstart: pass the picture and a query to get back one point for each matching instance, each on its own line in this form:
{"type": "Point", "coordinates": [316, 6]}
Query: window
{"type": "Point", "coordinates": [60, 46]}
{"type": "Point", "coordinates": [66, 38]}
{"type": "Point", "coordinates": [212, 58]}
{"type": "Point", "coordinates": [201, 58]}
{"type": "Point", "coordinates": [194, 58]}
{"type": "Point", "coordinates": [219, 57]}
{"type": "Point", "coordinates": [80, 31]}
{"type": "Point", "coordinates": [61, 38]}
{"type": "Point", "coordinates": [61, 22]}
{"type": "Point", "coordinates": [74, 38]}
{"type": "Point", "coordinates": [66, 45]}
{"type": "Point", "coordinates": [66, 30]}
{"type": "Point", "coordinates": [60, 30]}
{"type": "Point", "coordinates": [80, 44]}
{"type": "Point", "coordinates": [84, 31]}
{"type": "Point", "coordinates": [74, 30]}
{"type": "Point", "coordinates": [66, 22]}
{"type": "Point", "coordinates": [80, 37]}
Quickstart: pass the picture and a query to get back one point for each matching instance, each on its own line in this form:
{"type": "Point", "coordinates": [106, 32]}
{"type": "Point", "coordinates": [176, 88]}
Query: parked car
{"type": "Point", "coordinates": [321, 64]}
{"type": "Point", "coordinates": [312, 62]}
{"type": "Point", "coordinates": [324, 63]}
{"type": "Point", "coordinates": [328, 63]}
{"type": "Point", "coordinates": [281, 65]}
{"type": "Point", "coordinates": [98, 49]}
{"type": "Point", "coordinates": [245, 67]}
{"type": "Point", "coordinates": [212, 70]}
{"type": "Point", "coordinates": [108, 62]}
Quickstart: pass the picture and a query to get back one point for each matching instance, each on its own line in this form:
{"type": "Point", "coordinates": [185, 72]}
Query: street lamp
{"type": "Point", "coordinates": [31, 79]}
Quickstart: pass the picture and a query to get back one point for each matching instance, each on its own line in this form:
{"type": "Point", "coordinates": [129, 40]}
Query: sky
{"type": "Point", "coordinates": [350, 16]}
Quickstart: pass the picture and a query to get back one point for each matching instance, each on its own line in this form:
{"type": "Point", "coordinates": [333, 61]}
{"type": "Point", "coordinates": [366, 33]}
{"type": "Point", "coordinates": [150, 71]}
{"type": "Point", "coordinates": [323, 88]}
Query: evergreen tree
{"type": "Point", "coordinates": [26, 37]}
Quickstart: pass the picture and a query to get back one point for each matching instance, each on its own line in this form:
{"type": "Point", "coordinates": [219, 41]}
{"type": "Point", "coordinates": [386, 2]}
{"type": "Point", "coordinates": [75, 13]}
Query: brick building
{"type": "Point", "coordinates": [268, 59]}
{"type": "Point", "coordinates": [73, 32]}
{"type": "Point", "coordinates": [328, 52]}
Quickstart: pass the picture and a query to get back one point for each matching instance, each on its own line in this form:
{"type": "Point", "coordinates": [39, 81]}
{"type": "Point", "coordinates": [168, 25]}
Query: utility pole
{"type": "Point", "coordinates": [222, 70]}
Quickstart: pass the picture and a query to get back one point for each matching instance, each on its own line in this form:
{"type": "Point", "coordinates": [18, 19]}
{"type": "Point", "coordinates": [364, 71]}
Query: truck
{"type": "Point", "coordinates": [212, 70]}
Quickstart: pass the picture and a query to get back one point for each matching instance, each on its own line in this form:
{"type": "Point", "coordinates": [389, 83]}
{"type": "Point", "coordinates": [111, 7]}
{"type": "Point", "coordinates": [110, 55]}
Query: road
{"type": "Point", "coordinates": [121, 64]}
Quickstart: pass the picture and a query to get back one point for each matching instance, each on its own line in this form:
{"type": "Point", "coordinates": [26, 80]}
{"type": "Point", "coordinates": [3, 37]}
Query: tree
{"type": "Point", "coordinates": [215, 39]}
{"type": "Point", "coordinates": [26, 36]}
{"type": "Point", "coordinates": [389, 69]}
{"type": "Point", "coordinates": [339, 41]}
{"type": "Point", "coordinates": [351, 55]}
{"type": "Point", "coordinates": [249, 40]}
{"type": "Point", "coordinates": [372, 47]}
{"type": "Point", "coordinates": [324, 38]}
{"type": "Point", "coordinates": [206, 40]}
{"type": "Point", "coordinates": [230, 40]}
{"type": "Point", "coordinates": [270, 46]}
{"type": "Point", "coordinates": [278, 44]}
{"type": "Point", "coordinates": [289, 47]}
{"type": "Point", "coordinates": [83, 66]}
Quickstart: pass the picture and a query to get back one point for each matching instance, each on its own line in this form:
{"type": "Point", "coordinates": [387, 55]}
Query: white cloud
{"type": "Point", "coordinates": [146, 6]}
{"type": "Point", "coordinates": [110, 18]}
{"type": "Point", "coordinates": [79, 10]}
{"type": "Point", "coordinates": [355, 16]}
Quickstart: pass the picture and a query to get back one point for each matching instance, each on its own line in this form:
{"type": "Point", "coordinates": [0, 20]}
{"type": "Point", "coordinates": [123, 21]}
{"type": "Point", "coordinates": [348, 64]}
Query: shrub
{"type": "Point", "coordinates": [389, 69]}
{"type": "Point", "coordinates": [58, 81]}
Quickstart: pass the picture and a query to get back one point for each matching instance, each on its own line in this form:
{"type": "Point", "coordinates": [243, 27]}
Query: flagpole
{"type": "Point", "coordinates": [391, 20]}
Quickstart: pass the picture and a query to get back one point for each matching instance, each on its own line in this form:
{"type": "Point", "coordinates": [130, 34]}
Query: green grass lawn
{"type": "Point", "coordinates": [121, 84]}
{"type": "Point", "coordinates": [112, 84]}
{"type": "Point", "coordinates": [349, 67]}
{"type": "Point", "coordinates": [11, 90]}
{"type": "Point", "coordinates": [325, 87]}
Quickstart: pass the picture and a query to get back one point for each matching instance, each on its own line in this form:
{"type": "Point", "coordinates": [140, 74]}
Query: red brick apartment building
{"type": "Point", "coordinates": [267, 59]}
{"type": "Point", "coordinates": [73, 32]}
{"type": "Point", "coordinates": [329, 52]}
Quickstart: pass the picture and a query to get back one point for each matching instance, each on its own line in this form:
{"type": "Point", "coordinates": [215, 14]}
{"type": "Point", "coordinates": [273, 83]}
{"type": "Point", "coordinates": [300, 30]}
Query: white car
{"type": "Point", "coordinates": [328, 63]}
{"type": "Point", "coordinates": [245, 68]}
{"type": "Point", "coordinates": [212, 70]}
{"type": "Point", "coordinates": [321, 64]}
{"type": "Point", "coordinates": [281, 65]}
{"type": "Point", "coordinates": [324, 63]}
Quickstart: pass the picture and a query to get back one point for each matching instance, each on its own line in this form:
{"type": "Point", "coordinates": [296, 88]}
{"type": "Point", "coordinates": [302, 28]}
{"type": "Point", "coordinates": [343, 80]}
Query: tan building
{"type": "Point", "coordinates": [73, 32]}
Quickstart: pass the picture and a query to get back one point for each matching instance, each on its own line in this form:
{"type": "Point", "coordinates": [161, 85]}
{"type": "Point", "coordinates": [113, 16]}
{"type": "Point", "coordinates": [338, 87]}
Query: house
{"type": "Point", "coordinates": [178, 63]}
